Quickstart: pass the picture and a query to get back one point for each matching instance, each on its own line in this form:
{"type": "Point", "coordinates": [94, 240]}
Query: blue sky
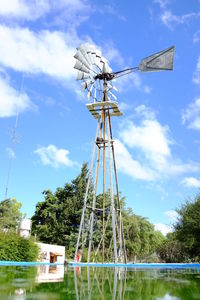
{"type": "Point", "coordinates": [157, 138]}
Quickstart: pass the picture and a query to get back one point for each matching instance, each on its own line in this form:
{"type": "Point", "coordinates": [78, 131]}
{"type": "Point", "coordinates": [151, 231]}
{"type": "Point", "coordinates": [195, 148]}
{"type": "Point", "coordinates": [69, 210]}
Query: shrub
{"type": "Point", "coordinates": [15, 248]}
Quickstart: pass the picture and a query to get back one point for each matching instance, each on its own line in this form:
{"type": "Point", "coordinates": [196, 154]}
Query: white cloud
{"type": "Point", "coordinates": [132, 80]}
{"type": "Point", "coordinates": [196, 76]}
{"type": "Point", "coordinates": [191, 115]}
{"type": "Point", "coordinates": [196, 37]}
{"type": "Point", "coordinates": [64, 11]}
{"type": "Point", "coordinates": [127, 165]}
{"type": "Point", "coordinates": [145, 112]}
{"type": "Point", "coordinates": [127, 82]}
{"type": "Point", "coordinates": [124, 106]}
{"type": "Point", "coordinates": [191, 182]}
{"type": "Point", "coordinates": [150, 142]}
{"type": "Point", "coordinates": [110, 9]}
{"type": "Point", "coordinates": [45, 52]}
{"type": "Point", "coordinates": [70, 14]}
{"type": "Point", "coordinates": [169, 19]}
{"type": "Point", "coordinates": [172, 215]}
{"type": "Point", "coordinates": [150, 137]}
{"type": "Point", "coordinates": [112, 54]}
{"type": "Point", "coordinates": [29, 10]}
{"type": "Point", "coordinates": [162, 3]}
{"type": "Point", "coordinates": [11, 101]}
{"type": "Point", "coordinates": [147, 89]}
{"type": "Point", "coordinates": [163, 228]}
{"type": "Point", "coordinates": [54, 157]}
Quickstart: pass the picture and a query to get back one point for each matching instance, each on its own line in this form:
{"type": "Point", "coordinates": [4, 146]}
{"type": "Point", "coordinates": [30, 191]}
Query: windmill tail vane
{"type": "Point", "coordinates": [102, 217]}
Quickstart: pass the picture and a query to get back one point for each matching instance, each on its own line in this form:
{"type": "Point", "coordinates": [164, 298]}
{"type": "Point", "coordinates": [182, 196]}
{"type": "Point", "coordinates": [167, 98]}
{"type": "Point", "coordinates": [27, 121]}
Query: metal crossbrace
{"type": "Point", "coordinates": [103, 234]}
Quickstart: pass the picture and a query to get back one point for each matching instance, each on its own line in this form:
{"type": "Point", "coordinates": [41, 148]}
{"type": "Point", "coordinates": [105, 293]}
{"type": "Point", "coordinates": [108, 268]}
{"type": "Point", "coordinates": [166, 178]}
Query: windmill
{"type": "Point", "coordinates": [97, 79]}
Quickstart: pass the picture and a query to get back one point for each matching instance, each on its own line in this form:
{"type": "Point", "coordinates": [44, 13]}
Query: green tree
{"type": "Point", "coordinates": [187, 228]}
{"type": "Point", "coordinates": [171, 250]}
{"type": "Point", "coordinates": [142, 241]}
{"type": "Point", "coordinates": [57, 218]}
{"type": "Point", "coordinates": [10, 215]}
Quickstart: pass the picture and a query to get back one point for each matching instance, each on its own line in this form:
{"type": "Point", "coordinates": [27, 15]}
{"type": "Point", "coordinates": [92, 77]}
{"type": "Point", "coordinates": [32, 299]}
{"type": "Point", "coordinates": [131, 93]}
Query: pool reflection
{"type": "Point", "coordinates": [49, 273]}
{"type": "Point", "coordinates": [78, 283]}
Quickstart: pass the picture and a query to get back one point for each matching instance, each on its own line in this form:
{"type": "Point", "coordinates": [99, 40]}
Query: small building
{"type": "Point", "coordinates": [25, 228]}
{"type": "Point", "coordinates": [51, 253]}
{"type": "Point", "coordinates": [49, 273]}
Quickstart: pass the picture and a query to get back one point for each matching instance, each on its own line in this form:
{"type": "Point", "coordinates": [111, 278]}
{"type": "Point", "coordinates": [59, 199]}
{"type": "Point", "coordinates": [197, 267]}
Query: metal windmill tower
{"type": "Point", "coordinates": [97, 78]}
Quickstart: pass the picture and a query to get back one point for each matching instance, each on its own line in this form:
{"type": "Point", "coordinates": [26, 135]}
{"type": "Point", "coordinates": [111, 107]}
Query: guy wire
{"type": "Point", "coordinates": [13, 141]}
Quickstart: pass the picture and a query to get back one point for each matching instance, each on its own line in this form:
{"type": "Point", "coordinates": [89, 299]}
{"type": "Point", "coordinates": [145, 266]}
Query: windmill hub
{"type": "Point", "coordinates": [104, 76]}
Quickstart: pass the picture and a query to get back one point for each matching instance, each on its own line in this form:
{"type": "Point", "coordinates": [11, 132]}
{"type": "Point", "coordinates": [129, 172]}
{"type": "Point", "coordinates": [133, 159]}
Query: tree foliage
{"type": "Point", "coordinates": [10, 215]}
{"type": "Point", "coordinates": [142, 240]}
{"type": "Point", "coordinates": [187, 228]}
{"type": "Point", "coordinates": [171, 250]}
{"type": "Point", "coordinates": [183, 245]}
{"type": "Point", "coordinates": [57, 218]}
{"type": "Point", "coordinates": [15, 248]}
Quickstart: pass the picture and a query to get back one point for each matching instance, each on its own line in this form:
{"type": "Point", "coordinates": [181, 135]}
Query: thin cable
{"type": "Point", "coordinates": [13, 141]}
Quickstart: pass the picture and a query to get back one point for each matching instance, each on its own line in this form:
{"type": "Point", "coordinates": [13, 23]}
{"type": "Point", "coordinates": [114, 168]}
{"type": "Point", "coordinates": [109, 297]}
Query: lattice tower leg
{"type": "Point", "coordinates": [111, 192]}
{"type": "Point", "coordinates": [104, 162]}
{"type": "Point", "coordinates": [86, 193]}
{"type": "Point", "coordinates": [122, 240]}
{"type": "Point", "coordinates": [94, 195]}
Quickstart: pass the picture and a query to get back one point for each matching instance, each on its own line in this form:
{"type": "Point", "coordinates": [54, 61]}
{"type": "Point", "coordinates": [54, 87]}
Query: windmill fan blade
{"type": "Point", "coordinates": [79, 66]}
{"type": "Point", "coordinates": [90, 58]}
{"type": "Point", "coordinates": [83, 49]}
{"type": "Point", "coordinates": [114, 88]}
{"type": "Point", "coordinates": [95, 59]}
{"type": "Point", "coordinates": [81, 58]}
{"type": "Point", "coordinates": [84, 86]}
{"type": "Point", "coordinates": [82, 75]}
{"type": "Point", "coordinates": [162, 60]}
{"type": "Point", "coordinates": [92, 69]}
{"type": "Point", "coordinates": [113, 95]}
{"type": "Point", "coordinates": [99, 63]}
{"type": "Point", "coordinates": [106, 68]}
{"type": "Point", "coordinates": [111, 87]}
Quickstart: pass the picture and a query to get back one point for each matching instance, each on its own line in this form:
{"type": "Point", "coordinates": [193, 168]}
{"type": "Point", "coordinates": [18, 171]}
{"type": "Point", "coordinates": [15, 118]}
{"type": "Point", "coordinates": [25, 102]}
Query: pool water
{"type": "Point", "coordinates": [59, 282]}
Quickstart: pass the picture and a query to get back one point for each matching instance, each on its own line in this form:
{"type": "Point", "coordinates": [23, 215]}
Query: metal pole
{"type": "Point", "coordinates": [122, 240]}
{"type": "Point", "coordinates": [104, 159]}
{"type": "Point", "coordinates": [86, 193]}
{"type": "Point", "coordinates": [111, 192]}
